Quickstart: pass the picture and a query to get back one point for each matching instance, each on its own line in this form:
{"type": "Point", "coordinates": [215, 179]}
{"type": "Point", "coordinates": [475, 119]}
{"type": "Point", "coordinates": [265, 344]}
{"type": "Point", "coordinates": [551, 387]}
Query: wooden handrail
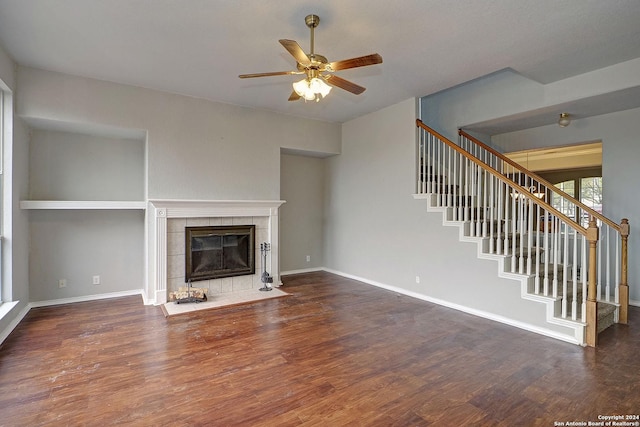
{"type": "Point", "coordinates": [578, 227]}
{"type": "Point", "coordinates": [541, 180]}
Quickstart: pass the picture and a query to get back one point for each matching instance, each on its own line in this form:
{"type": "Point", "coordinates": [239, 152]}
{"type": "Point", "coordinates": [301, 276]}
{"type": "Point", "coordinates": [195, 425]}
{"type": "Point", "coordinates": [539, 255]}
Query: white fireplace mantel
{"type": "Point", "coordinates": [161, 210]}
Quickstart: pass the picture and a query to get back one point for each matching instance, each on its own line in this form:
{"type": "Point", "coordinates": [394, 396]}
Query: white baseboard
{"type": "Point", "coordinates": [6, 307]}
{"type": "Point", "coordinates": [468, 310]}
{"type": "Point", "coordinates": [302, 271]}
{"type": "Point", "coordinates": [85, 298]}
{"type": "Point", "coordinates": [12, 325]}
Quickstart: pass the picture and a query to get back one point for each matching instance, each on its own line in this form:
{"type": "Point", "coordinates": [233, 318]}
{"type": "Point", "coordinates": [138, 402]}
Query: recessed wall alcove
{"type": "Point", "coordinates": [166, 227]}
{"type": "Point", "coordinates": [86, 199]}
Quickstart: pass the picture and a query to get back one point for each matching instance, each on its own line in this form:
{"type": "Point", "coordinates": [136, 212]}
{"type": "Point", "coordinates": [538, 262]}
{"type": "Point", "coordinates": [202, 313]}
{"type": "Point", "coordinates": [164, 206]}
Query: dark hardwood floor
{"type": "Point", "coordinates": [337, 352]}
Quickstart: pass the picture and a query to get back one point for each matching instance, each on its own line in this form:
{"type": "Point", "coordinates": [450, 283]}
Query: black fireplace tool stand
{"type": "Point", "coordinates": [266, 278]}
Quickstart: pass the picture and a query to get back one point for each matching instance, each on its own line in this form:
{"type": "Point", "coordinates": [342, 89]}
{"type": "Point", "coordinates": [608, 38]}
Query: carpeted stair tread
{"type": "Point", "coordinates": [606, 315]}
{"type": "Point", "coordinates": [604, 309]}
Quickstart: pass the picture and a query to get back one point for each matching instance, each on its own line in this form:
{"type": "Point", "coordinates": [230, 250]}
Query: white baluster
{"type": "Point", "coordinates": [547, 250]}
{"type": "Point", "coordinates": [514, 224]}
{"type": "Point", "coordinates": [565, 259]}
{"type": "Point", "coordinates": [500, 211]}
{"type": "Point", "coordinates": [427, 164]}
{"type": "Point", "coordinates": [617, 268]}
{"type": "Point", "coordinates": [537, 221]}
{"type": "Point", "coordinates": [461, 189]}
{"type": "Point", "coordinates": [608, 261]}
{"type": "Point", "coordinates": [492, 197]}
{"type": "Point", "coordinates": [599, 270]}
{"type": "Point", "coordinates": [574, 277]}
{"type": "Point", "coordinates": [522, 234]}
{"type": "Point", "coordinates": [583, 276]}
{"type": "Point", "coordinates": [423, 161]}
{"type": "Point", "coordinates": [479, 199]}
{"type": "Point", "coordinates": [449, 180]}
{"type": "Point", "coordinates": [554, 272]}
{"type": "Point", "coordinates": [530, 208]}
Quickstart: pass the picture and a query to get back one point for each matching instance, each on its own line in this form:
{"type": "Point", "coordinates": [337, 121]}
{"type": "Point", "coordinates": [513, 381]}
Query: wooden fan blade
{"type": "Point", "coordinates": [296, 51]}
{"type": "Point", "coordinates": [361, 61]}
{"type": "Point", "coordinates": [294, 96]}
{"type": "Point", "coordinates": [344, 84]}
{"type": "Point", "coordinates": [275, 73]}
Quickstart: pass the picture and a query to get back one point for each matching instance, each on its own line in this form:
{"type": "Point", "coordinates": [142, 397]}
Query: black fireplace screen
{"type": "Point", "coordinates": [213, 252]}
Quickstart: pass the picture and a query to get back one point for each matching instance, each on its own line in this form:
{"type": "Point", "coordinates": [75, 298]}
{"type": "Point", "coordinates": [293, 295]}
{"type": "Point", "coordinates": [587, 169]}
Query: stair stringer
{"type": "Point", "coordinates": [552, 304]}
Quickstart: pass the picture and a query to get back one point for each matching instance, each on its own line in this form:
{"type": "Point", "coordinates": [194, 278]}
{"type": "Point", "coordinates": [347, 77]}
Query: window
{"type": "Point", "coordinates": [561, 203]}
{"type": "Point", "coordinates": [587, 190]}
{"type": "Point", "coordinates": [575, 169]}
{"type": "Point", "coordinates": [2, 136]}
{"type": "Point", "coordinates": [7, 301]}
{"type": "Point", "coordinates": [591, 192]}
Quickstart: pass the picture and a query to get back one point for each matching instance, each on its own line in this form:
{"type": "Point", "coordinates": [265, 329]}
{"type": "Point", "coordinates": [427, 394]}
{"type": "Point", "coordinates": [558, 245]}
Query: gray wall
{"type": "Point", "coordinates": [372, 220]}
{"type": "Point", "coordinates": [76, 245]}
{"type": "Point", "coordinates": [507, 94]}
{"type": "Point", "coordinates": [482, 99]}
{"type": "Point", "coordinates": [74, 166]}
{"type": "Point", "coordinates": [194, 149]}
{"type": "Point", "coordinates": [301, 217]}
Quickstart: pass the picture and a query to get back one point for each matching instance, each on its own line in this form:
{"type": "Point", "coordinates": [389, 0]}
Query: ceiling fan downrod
{"type": "Point", "coordinates": [312, 22]}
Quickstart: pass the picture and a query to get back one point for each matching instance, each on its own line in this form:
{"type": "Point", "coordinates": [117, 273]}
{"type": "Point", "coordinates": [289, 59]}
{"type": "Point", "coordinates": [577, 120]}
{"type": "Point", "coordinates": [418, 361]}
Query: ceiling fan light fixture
{"type": "Point", "coordinates": [301, 87]}
{"type": "Point", "coordinates": [311, 89]}
{"type": "Point", "coordinates": [319, 86]}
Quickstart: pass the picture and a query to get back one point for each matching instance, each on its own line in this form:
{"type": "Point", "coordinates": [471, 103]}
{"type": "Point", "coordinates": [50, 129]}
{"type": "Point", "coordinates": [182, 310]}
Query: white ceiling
{"type": "Point", "coordinates": [199, 47]}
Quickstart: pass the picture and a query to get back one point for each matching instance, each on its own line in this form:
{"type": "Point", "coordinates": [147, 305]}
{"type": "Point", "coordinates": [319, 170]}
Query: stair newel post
{"type": "Point", "coordinates": [592, 303]}
{"type": "Point", "coordinates": [624, 286]}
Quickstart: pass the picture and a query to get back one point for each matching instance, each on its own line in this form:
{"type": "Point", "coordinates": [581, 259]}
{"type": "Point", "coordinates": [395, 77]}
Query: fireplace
{"type": "Point", "coordinates": [213, 252]}
{"type": "Point", "coordinates": [166, 231]}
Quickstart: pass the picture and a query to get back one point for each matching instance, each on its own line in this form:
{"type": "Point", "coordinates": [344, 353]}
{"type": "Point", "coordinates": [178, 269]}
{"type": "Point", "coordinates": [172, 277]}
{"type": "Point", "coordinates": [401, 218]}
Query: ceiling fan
{"type": "Point", "coordinates": [317, 69]}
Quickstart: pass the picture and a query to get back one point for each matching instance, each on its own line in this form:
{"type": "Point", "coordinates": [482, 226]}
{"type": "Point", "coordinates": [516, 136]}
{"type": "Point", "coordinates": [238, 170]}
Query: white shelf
{"type": "Point", "coordinates": [83, 204]}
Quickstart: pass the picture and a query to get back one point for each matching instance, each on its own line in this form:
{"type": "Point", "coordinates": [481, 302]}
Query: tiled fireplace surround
{"type": "Point", "coordinates": [166, 254]}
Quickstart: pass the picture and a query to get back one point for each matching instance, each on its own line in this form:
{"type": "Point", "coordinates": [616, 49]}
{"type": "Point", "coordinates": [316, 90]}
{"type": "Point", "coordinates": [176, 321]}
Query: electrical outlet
{"type": "Point", "coordinates": [308, 258]}
{"type": "Point", "coordinates": [96, 280]}
{"type": "Point", "coordinates": [62, 283]}
{"type": "Point", "coordinates": [417, 279]}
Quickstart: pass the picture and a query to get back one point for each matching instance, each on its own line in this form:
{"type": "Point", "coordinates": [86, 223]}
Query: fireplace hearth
{"type": "Point", "coordinates": [213, 252]}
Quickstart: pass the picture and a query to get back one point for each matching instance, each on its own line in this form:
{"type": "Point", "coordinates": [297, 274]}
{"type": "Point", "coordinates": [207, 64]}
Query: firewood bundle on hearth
{"type": "Point", "coordinates": [185, 292]}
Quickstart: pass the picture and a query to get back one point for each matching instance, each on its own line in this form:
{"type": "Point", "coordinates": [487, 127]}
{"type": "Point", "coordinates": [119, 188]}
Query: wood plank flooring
{"type": "Point", "coordinates": [337, 352]}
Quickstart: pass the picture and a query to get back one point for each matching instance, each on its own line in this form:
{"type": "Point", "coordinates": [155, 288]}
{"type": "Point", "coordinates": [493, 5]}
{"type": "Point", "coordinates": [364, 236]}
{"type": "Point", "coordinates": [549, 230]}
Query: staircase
{"type": "Point", "coordinates": [578, 271]}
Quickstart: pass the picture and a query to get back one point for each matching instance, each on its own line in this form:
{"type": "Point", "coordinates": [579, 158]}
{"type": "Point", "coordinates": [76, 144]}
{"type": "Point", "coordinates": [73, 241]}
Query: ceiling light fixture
{"type": "Point", "coordinates": [312, 89]}
{"type": "Point", "coordinates": [564, 120]}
